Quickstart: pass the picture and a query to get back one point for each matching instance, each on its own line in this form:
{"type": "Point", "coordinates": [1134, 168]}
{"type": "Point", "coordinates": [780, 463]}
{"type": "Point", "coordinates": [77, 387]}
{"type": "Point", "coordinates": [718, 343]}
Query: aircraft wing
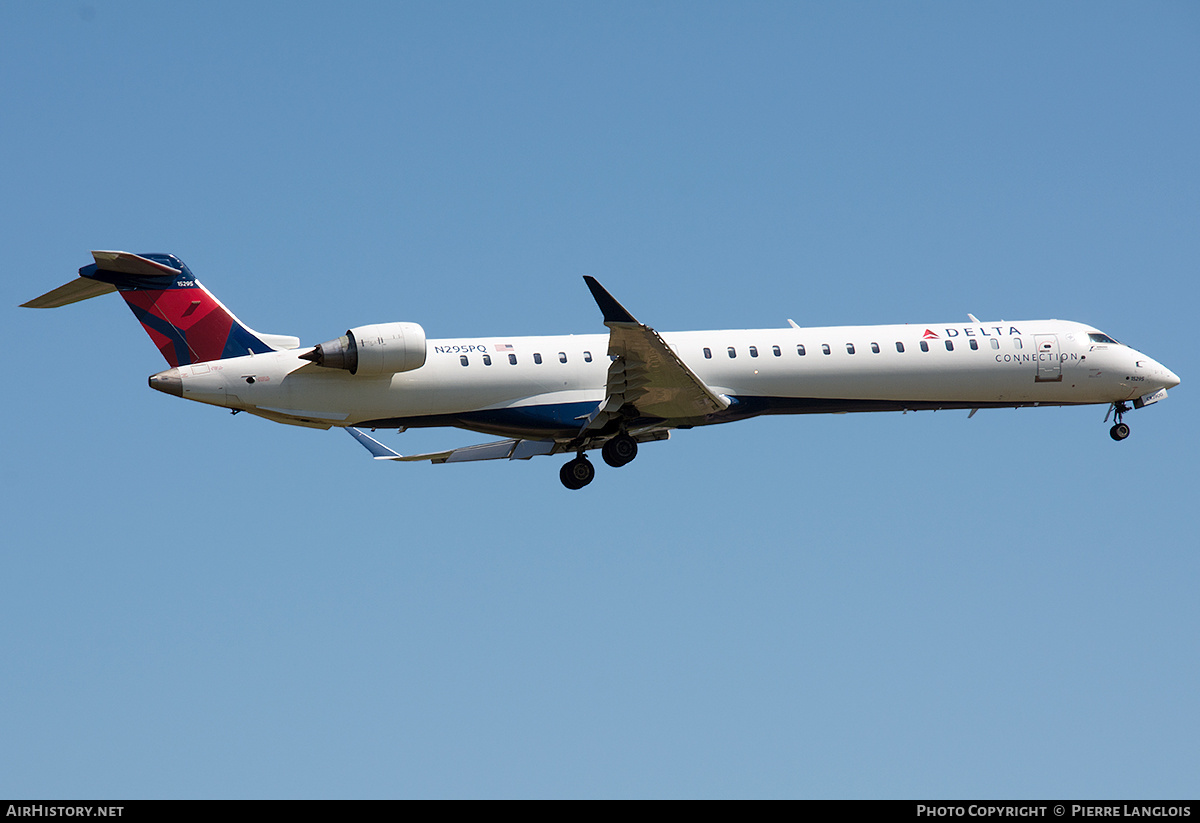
{"type": "Point", "coordinates": [499, 450]}
{"type": "Point", "coordinates": [646, 374]}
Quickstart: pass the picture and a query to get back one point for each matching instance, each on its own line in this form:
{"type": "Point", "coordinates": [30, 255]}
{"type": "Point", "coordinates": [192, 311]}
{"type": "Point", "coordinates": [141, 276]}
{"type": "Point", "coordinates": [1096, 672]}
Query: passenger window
{"type": "Point", "coordinates": [824, 348]}
{"type": "Point", "coordinates": [800, 350]}
{"type": "Point", "coordinates": [707, 353]}
{"type": "Point", "coordinates": [732, 352]}
{"type": "Point", "coordinates": [462, 358]}
{"type": "Point", "coordinates": [995, 343]}
{"type": "Point", "coordinates": [754, 351]}
{"type": "Point", "coordinates": [562, 357]}
{"type": "Point", "coordinates": [487, 360]}
{"type": "Point", "coordinates": [899, 347]}
{"type": "Point", "coordinates": [949, 345]}
{"type": "Point", "coordinates": [974, 345]}
{"type": "Point", "coordinates": [537, 358]}
{"type": "Point", "coordinates": [1016, 342]}
{"type": "Point", "coordinates": [874, 348]}
{"type": "Point", "coordinates": [512, 360]}
{"type": "Point", "coordinates": [849, 348]}
{"type": "Point", "coordinates": [587, 357]}
{"type": "Point", "coordinates": [924, 345]}
{"type": "Point", "coordinates": [775, 350]}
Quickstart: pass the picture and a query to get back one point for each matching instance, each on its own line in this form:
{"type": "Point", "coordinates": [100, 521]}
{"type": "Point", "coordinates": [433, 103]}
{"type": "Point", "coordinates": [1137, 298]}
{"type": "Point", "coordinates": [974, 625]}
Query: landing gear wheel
{"type": "Point", "coordinates": [577, 473]}
{"type": "Point", "coordinates": [1119, 432]}
{"type": "Point", "coordinates": [619, 451]}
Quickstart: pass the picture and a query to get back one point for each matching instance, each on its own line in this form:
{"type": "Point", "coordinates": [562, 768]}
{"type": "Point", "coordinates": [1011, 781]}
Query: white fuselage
{"type": "Point", "coordinates": [544, 386]}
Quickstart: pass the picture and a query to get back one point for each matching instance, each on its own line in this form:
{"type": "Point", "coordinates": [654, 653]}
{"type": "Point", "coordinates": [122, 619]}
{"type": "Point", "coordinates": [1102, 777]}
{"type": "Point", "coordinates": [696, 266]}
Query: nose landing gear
{"type": "Point", "coordinates": [1120, 430]}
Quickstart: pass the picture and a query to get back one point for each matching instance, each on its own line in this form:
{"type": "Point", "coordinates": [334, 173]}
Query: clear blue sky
{"type": "Point", "coordinates": [202, 605]}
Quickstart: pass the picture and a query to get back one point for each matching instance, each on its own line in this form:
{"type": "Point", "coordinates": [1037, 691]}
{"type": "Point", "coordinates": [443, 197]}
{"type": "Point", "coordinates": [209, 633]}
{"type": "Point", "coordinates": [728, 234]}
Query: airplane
{"type": "Point", "coordinates": [570, 394]}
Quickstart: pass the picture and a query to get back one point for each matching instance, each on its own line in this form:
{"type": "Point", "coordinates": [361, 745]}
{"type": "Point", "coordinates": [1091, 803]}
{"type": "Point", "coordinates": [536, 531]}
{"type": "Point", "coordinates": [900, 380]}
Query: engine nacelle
{"type": "Point", "coordinates": [383, 348]}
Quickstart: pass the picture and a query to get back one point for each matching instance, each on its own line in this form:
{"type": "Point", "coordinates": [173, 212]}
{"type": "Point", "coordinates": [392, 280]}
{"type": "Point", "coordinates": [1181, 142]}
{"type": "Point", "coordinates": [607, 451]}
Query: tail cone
{"type": "Point", "coordinates": [167, 382]}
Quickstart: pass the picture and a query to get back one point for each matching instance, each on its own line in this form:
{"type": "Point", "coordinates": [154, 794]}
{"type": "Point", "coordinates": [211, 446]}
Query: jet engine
{"type": "Point", "coordinates": [382, 348]}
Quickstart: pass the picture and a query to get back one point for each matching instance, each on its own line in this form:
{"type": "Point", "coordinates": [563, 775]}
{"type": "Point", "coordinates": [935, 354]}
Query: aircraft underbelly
{"type": "Point", "coordinates": [999, 385]}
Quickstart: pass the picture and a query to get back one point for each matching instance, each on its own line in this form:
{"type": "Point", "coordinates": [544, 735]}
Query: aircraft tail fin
{"type": "Point", "coordinates": [185, 321]}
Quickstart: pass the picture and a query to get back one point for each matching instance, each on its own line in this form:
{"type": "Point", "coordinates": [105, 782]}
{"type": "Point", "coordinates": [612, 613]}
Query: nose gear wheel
{"type": "Point", "coordinates": [1120, 430]}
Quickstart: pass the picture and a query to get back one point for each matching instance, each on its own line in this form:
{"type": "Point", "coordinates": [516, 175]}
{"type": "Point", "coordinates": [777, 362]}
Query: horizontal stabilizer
{"type": "Point", "coordinates": [124, 262]}
{"type": "Point", "coordinates": [81, 288]}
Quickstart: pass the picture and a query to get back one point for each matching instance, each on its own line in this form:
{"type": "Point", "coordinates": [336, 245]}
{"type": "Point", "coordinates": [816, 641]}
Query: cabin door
{"type": "Point", "coordinates": [1049, 364]}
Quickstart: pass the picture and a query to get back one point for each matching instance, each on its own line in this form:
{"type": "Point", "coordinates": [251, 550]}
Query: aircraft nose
{"type": "Point", "coordinates": [1155, 373]}
{"type": "Point", "coordinates": [167, 382]}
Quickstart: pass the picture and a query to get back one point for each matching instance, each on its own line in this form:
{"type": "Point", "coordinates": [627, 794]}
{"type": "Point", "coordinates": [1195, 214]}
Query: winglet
{"type": "Point", "coordinates": [613, 311]}
{"type": "Point", "coordinates": [377, 449]}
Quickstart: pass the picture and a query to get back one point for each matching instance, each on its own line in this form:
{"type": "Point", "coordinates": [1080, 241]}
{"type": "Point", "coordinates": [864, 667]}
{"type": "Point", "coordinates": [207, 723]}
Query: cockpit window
{"type": "Point", "coordinates": [1097, 337]}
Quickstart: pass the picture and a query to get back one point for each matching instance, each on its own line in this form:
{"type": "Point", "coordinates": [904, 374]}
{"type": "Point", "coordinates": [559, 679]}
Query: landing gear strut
{"type": "Point", "coordinates": [619, 450]}
{"type": "Point", "coordinates": [577, 473]}
{"type": "Point", "coordinates": [1120, 430]}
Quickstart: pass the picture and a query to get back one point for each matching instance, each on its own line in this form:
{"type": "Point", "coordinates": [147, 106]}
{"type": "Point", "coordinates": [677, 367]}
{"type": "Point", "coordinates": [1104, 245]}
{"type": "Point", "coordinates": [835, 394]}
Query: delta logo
{"type": "Point", "coordinates": [930, 334]}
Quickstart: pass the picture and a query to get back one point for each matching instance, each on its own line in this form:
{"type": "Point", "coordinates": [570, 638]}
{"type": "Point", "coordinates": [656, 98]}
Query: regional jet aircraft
{"type": "Point", "coordinates": [571, 394]}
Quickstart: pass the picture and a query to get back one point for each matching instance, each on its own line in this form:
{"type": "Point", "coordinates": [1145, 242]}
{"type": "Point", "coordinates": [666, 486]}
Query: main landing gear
{"type": "Point", "coordinates": [577, 473]}
{"type": "Point", "coordinates": [617, 452]}
{"type": "Point", "coordinates": [1120, 430]}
